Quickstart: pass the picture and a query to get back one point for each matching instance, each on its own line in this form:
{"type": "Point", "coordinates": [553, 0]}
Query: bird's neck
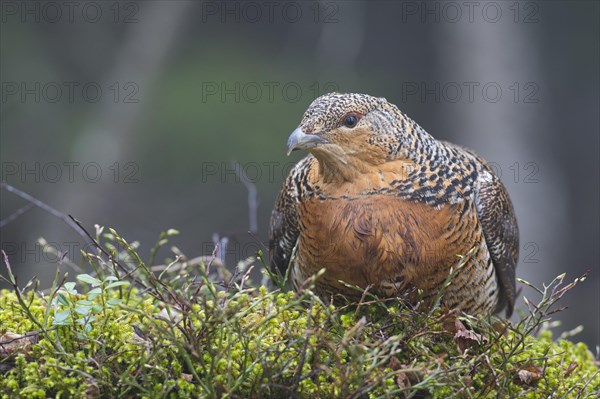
{"type": "Point", "coordinates": [333, 169]}
{"type": "Point", "coordinates": [340, 172]}
{"type": "Point", "coordinates": [337, 165]}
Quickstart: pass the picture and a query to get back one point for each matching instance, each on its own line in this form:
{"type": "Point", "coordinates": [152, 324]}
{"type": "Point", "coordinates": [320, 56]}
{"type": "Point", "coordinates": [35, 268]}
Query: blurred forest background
{"type": "Point", "coordinates": [130, 114]}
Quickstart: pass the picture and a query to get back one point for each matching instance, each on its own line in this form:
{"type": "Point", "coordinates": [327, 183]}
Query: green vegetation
{"type": "Point", "coordinates": [175, 331]}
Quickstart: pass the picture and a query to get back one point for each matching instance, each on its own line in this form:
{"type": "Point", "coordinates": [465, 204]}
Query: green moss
{"type": "Point", "coordinates": [179, 337]}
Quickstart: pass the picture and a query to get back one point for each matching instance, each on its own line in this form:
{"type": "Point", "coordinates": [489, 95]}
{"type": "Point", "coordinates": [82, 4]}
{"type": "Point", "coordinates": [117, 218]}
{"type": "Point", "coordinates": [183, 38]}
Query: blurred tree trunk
{"type": "Point", "coordinates": [110, 132]}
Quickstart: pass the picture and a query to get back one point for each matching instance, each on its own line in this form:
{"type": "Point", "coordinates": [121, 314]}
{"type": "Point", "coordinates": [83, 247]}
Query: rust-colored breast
{"type": "Point", "coordinates": [382, 240]}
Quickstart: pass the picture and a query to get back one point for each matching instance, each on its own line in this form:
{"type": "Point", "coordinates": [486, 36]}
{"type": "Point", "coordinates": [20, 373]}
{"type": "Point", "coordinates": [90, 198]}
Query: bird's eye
{"type": "Point", "coordinates": [351, 120]}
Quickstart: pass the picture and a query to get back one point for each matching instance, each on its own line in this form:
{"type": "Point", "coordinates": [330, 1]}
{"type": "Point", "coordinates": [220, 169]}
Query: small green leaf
{"type": "Point", "coordinates": [63, 299]}
{"type": "Point", "coordinates": [117, 284]}
{"type": "Point", "coordinates": [62, 318]}
{"type": "Point", "coordinates": [86, 278]}
{"type": "Point", "coordinates": [83, 320]}
{"type": "Point", "coordinates": [83, 310]}
{"type": "Point", "coordinates": [70, 288]}
{"type": "Point", "coordinates": [83, 302]}
{"type": "Point", "coordinates": [111, 278]}
{"type": "Point", "coordinates": [94, 293]}
{"type": "Point", "coordinates": [114, 302]}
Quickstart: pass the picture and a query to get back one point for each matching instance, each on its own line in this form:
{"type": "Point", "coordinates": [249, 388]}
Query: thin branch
{"type": "Point", "coordinates": [252, 197]}
{"type": "Point", "coordinates": [94, 243]}
{"type": "Point", "coordinates": [12, 279]}
{"type": "Point", "coordinates": [220, 247]}
{"type": "Point", "coordinates": [205, 260]}
{"type": "Point", "coordinates": [22, 210]}
{"type": "Point", "coordinates": [34, 201]}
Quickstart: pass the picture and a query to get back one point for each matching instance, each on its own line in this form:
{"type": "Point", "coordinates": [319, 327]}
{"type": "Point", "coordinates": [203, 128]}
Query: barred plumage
{"type": "Point", "coordinates": [379, 202]}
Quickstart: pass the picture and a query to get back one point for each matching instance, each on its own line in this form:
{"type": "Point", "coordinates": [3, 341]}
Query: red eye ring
{"type": "Point", "coordinates": [351, 119]}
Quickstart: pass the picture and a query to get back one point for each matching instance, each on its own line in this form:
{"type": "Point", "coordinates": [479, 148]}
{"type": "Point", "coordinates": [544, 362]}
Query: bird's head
{"type": "Point", "coordinates": [349, 133]}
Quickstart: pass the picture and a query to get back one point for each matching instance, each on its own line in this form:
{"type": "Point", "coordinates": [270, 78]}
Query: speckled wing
{"type": "Point", "coordinates": [284, 228]}
{"type": "Point", "coordinates": [497, 217]}
{"type": "Point", "coordinates": [499, 223]}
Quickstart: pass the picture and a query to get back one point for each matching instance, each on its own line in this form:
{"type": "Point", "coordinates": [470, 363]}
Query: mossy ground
{"type": "Point", "coordinates": [131, 332]}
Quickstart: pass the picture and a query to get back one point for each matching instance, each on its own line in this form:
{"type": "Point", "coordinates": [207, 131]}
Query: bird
{"type": "Point", "coordinates": [378, 203]}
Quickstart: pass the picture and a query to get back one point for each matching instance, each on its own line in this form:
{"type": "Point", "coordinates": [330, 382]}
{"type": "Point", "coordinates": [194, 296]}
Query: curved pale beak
{"type": "Point", "coordinates": [301, 141]}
